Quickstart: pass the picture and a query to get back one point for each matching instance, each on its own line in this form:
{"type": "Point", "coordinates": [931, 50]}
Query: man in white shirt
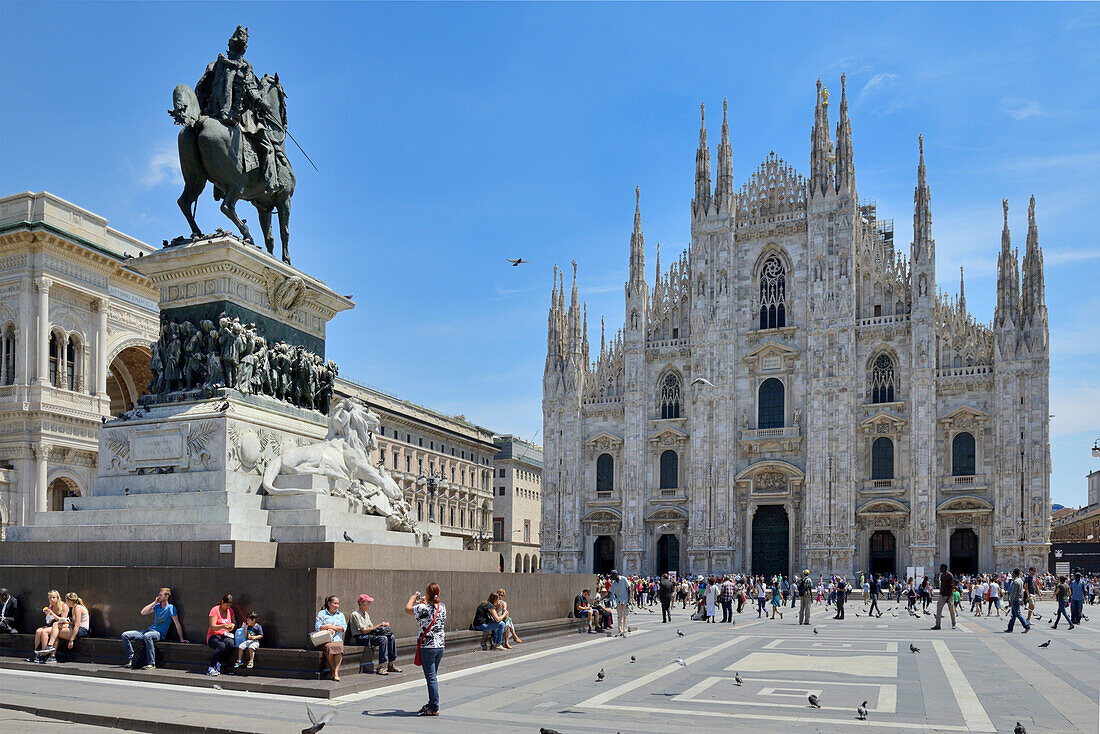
{"type": "Point", "coordinates": [620, 594]}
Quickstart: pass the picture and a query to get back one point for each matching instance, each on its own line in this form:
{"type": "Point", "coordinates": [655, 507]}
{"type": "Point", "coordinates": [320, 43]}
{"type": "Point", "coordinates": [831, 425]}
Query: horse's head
{"type": "Point", "coordinates": [273, 98]}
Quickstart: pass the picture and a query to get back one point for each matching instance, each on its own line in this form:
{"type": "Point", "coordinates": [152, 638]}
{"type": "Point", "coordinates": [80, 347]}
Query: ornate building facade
{"type": "Point", "coordinates": [794, 392]}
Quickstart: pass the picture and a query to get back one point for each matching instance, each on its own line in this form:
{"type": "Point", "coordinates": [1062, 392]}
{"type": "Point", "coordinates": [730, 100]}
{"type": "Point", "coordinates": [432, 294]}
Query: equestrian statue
{"type": "Point", "coordinates": [234, 136]}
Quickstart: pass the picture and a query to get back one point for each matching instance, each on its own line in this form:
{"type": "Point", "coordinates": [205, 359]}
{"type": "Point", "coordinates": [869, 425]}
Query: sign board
{"type": "Point", "coordinates": [1083, 557]}
{"type": "Point", "coordinates": [672, 575]}
{"type": "Point", "coordinates": [919, 574]}
{"type": "Point", "coordinates": [1061, 568]}
{"type": "Point", "coordinates": [910, 572]}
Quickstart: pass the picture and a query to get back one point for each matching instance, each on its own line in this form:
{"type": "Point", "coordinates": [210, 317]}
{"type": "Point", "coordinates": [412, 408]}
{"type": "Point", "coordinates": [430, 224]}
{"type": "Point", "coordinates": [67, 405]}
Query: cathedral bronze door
{"type": "Point", "coordinates": [964, 551]}
{"type": "Point", "coordinates": [884, 551]}
{"type": "Point", "coordinates": [668, 554]}
{"type": "Point", "coordinates": [603, 555]}
{"type": "Point", "coordinates": [770, 536]}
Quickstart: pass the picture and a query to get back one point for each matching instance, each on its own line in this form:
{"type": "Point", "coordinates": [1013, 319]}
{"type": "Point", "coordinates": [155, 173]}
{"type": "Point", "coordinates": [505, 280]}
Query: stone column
{"type": "Point", "coordinates": [43, 284]}
{"type": "Point", "coordinates": [41, 452]}
{"type": "Point", "coordinates": [101, 305]}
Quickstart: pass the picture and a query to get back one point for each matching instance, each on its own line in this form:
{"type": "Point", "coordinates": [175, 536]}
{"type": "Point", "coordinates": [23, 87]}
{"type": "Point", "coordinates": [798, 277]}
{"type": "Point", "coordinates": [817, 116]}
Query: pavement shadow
{"type": "Point", "coordinates": [391, 712]}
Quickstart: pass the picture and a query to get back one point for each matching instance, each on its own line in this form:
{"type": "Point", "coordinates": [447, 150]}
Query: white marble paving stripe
{"type": "Point", "coordinates": [1078, 708]}
{"type": "Point", "coordinates": [972, 710]}
{"type": "Point", "coordinates": [613, 693]}
{"type": "Point", "coordinates": [887, 693]}
{"type": "Point", "coordinates": [773, 718]}
{"type": "Point", "coordinates": [495, 665]}
{"type": "Point", "coordinates": [145, 685]}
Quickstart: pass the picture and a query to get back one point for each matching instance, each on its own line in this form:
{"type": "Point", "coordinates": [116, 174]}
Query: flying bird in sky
{"type": "Point", "coordinates": [518, 261]}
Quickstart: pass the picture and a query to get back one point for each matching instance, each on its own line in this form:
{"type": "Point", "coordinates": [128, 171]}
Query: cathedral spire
{"type": "Point", "coordinates": [962, 291]}
{"type": "Point", "coordinates": [701, 204]}
{"type": "Point", "coordinates": [845, 168]}
{"type": "Point", "coordinates": [657, 279]}
{"type": "Point", "coordinates": [821, 145]}
{"type": "Point", "coordinates": [1007, 312]}
{"type": "Point", "coordinates": [723, 192]}
{"type": "Point", "coordinates": [1034, 288]}
{"type": "Point", "coordinates": [553, 335]}
{"type": "Point", "coordinates": [637, 244]}
{"type": "Point", "coordinates": [603, 341]}
{"type": "Point", "coordinates": [923, 244]}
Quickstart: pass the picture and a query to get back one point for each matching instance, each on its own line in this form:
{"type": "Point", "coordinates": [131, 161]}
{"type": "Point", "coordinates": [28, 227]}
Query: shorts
{"type": "Point", "coordinates": [249, 644]}
{"type": "Point", "coordinates": [1031, 604]}
{"type": "Point", "coordinates": [582, 613]}
{"type": "Point", "coordinates": [81, 632]}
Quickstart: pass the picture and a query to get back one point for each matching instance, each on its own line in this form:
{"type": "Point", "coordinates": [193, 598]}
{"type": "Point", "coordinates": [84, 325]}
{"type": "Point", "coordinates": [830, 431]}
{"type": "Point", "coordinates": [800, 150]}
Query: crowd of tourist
{"type": "Point", "coordinates": [770, 595]}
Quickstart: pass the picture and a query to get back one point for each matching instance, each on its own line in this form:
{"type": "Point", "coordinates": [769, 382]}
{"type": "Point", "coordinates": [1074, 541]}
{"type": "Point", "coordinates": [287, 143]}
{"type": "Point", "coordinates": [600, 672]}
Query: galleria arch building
{"type": "Point", "coordinates": [795, 392]}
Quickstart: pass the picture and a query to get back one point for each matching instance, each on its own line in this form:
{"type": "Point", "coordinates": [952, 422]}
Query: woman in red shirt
{"type": "Point", "coordinates": [219, 633]}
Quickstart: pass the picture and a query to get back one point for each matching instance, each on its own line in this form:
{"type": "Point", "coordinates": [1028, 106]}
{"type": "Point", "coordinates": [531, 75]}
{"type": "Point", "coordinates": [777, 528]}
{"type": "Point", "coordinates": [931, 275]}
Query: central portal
{"type": "Point", "coordinates": [603, 555]}
{"type": "Point", "coordinates": [668, 554]}
{"type": "Point", "coordinates": [770, 541]}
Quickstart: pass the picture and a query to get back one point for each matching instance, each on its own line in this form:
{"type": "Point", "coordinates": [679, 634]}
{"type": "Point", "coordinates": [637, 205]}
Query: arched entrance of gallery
{"type": "Point", "coordinates": [128, 377]}
{"type": "Point", "coordinates": [668, 554]}
{"type": "Point", "coordinates": [883, 553]}
{"type": "Point", "coordinates": [964, 552]}
{"type": "Point", "coordinates": [771, 541]}
{"type": "Point", "coordinates": [603, 555]}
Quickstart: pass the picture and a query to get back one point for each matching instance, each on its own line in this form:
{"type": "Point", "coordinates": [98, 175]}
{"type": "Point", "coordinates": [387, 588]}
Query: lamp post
{"type": "Point", "coordinates": [431, 481]}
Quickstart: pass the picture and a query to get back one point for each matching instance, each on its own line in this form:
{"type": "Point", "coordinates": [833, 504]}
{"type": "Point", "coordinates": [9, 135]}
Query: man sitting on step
{"type": "Point", "coordinates": [163, 614]}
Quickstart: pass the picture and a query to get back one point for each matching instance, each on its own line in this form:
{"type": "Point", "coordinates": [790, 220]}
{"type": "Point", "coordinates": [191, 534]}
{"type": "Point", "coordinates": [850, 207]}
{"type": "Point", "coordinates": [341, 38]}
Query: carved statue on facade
{"type": "Point", "coordinates": [345, 457]}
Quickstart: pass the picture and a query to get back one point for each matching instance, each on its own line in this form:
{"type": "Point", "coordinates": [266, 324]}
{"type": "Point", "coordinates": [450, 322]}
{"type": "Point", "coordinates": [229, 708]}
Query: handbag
{"type": "Point", "coordinates": [420, 640]}
{"type": "Point", "coordinates": [320, 638]}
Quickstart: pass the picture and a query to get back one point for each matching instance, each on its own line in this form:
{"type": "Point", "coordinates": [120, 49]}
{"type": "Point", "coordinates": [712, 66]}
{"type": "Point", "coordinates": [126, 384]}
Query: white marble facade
{"type": "Point", "coordinates": [795, 392]}
{"type": "Point", "coordinates": [75, 325]}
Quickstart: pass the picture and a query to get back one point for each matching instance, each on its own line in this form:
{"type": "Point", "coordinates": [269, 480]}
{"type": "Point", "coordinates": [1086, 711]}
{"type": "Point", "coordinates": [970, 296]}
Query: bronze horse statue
{"type": "Point", "coordinates": [210, 150]}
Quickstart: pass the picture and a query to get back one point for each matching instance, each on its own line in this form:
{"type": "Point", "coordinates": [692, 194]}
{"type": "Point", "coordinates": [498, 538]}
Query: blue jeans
{"type": "Point", "coordinates": [148, 638]}
{"type": "Point", "coordinates": [1062, 613]}
{"type": "Point", "coordinates": [1016, 615]}
{"type": "Point", "coordinates": [497, 628]}
{"type": "Point", "coordinates": [1076, 609]}
{"type": "Point", "coordinates": [429, 660]}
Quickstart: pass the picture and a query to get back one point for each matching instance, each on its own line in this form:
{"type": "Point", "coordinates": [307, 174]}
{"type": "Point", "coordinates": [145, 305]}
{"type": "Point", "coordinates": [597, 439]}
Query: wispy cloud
{"type": "Point", "coordinates": [1065, 161]}
{"type": "Point", "coordinates": [877, 83]}
{"type": "Point", "coordinates": [505, 292]}
{"type": "Point", "coordinates": [1021, 109]}
{"type": "Point", "coordinates": [162, 167]}
{"type": "Point", "coordinates": [1061, 257]}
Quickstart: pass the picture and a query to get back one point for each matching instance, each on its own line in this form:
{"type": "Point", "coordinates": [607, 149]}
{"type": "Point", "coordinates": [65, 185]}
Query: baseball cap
{"type": "Point", "coordinates": [363, 598]}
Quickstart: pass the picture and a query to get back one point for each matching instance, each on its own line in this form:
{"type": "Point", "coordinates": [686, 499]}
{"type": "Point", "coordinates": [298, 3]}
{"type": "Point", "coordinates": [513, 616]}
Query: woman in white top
{"type": "Point", "coordinates": [978, 596]}
{"type": "Point", "coordinates": [55, 611]}
{"type": "Point", "coordinates": [72, 627]}
{"type": "Point", "coordinates": [994, 596]}
{"type": "Point", "coordinates": [712, 598]}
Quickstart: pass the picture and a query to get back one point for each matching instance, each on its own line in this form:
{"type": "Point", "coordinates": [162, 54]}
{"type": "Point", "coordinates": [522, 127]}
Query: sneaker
{"type": "Point", "coordinates": [51, 660]}
{"type": "Point", "coordinates": [150, 666]}
{"type": "Point", "coordinates": [128, 664]}
{"type": "Point", "coordinates": [935, 628]}
{"type": "Point", "coordinates": [429, 712]}
{"type": "Point", "coordinates": [212, 671]}
{"type": "Point", "coordinates": [249, 666]}
{"type": "Point", "coordinates": [47, 650]}
{"type": "Point", "coordinates": [1026, 630]}
{"type": "Point", "coordinates": [1071, 626]}
{"type": "Point", "coordinates": [238, 664]}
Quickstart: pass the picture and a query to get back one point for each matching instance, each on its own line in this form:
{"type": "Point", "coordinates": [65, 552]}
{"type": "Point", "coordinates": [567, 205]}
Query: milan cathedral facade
{"type": "Point", "coordinates": [794, 392]}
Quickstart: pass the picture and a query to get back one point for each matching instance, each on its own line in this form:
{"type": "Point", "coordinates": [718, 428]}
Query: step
{"type": "Point", "coordinates": [152, 515]}
{"type": "Point", "coordinates": [122, 533]}
{"type": "Point", "coordinates": [179, 499]}
{"type": "Point", "coordinates": [176, 483]}
{"type": "Point", "coordinates": [335, 534]}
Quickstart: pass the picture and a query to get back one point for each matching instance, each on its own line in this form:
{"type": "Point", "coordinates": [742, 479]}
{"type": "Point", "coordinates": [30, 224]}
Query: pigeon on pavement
{"type": "Point", "coordinates": [862, 711]}
{"type": "Point", "coordinates": [913, 648]}
{"type": "Point", "coordinates": [679, 633]}
{"type": "Point", "coordinates": [1019, 729]}
{"type": "Point", "coordinates": [737, 678]}
{"type": "Point", "coordinates": [632, 659]}
{"type": "Point", "coordinates": [599, 676]}
{"type": "Point", "coordinates": [815, 630]}
{"type": "Point", "coordinates": [681, 662]}
{"type": "Point", "coordinates": [1045, 644]}
{"type": "Point", "coordinates": [347, 538]}
{"type": "Point", "coordinates": [814, 702]}
{"type": "Point", "coordinates": [318, 724]}
{"type": "Point", "coordinates": [544, 730]}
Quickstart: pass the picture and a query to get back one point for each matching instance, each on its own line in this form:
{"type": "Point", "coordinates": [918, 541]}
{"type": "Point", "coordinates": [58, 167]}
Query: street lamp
{"type": "Point", "coordinates": [432, 480]}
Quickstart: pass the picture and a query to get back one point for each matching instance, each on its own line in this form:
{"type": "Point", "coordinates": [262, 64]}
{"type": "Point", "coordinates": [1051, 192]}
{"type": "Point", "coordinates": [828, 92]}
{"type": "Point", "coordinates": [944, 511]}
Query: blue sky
{"type": "Point", "coordinates": [451, 136]}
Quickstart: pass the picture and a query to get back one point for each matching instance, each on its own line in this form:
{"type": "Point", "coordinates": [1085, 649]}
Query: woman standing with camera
{"type": "Point", "coordinates": [431, 616]}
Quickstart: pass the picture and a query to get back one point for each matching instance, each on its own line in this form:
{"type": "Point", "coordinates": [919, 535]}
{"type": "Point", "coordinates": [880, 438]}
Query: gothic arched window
{"type": "Point", "coordinates": [962, 455]}
{"type": "Point", "coordinates": [669, 401]}
{"type": "Point", "coordinates": [7, 355]}
{"type": "Point", "coordinates": [70, 365]}
{"type": "Point", "coordinates": [605, 473]}
{"type": "Point", "coordinates": [773, 294]}
{"type": "Point", "coordinates": [882, 459]}
{"type": "Point", "coordinates": [670, 470]}
{"type": "Point", "coordinates": [770, 407]}
{"type": "Point", "coordinates": [883, 380]}
{"type": "Point", "coordinates": [56, 355]}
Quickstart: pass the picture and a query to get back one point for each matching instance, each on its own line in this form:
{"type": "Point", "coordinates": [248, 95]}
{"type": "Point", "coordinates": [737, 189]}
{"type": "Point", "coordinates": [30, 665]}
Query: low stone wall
{"type": "Point", "coordinates": [286, 599]}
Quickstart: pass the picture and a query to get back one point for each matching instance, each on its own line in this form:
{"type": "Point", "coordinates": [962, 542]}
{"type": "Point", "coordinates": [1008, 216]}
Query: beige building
{"type": "Point", "coordinates": [75, 324]}
{"type": "Point", "coordinates": [416, 443]}
{"type": "Point", "coordinates": [1080, 525]}
{"type": "Point", "coordinates": [517, 507]}
{"type": "Point", "coordinates": [75, 327]}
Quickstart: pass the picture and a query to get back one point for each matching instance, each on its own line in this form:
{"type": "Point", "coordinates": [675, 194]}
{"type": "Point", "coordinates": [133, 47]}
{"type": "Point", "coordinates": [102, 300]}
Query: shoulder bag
{"type": "Point", "coordinates": [420, 640]}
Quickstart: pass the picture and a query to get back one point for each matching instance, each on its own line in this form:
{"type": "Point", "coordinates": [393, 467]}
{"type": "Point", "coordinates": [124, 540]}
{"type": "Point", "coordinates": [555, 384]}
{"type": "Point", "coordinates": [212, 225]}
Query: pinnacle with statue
{"type": "Point", "coordinates": [234, 137]}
